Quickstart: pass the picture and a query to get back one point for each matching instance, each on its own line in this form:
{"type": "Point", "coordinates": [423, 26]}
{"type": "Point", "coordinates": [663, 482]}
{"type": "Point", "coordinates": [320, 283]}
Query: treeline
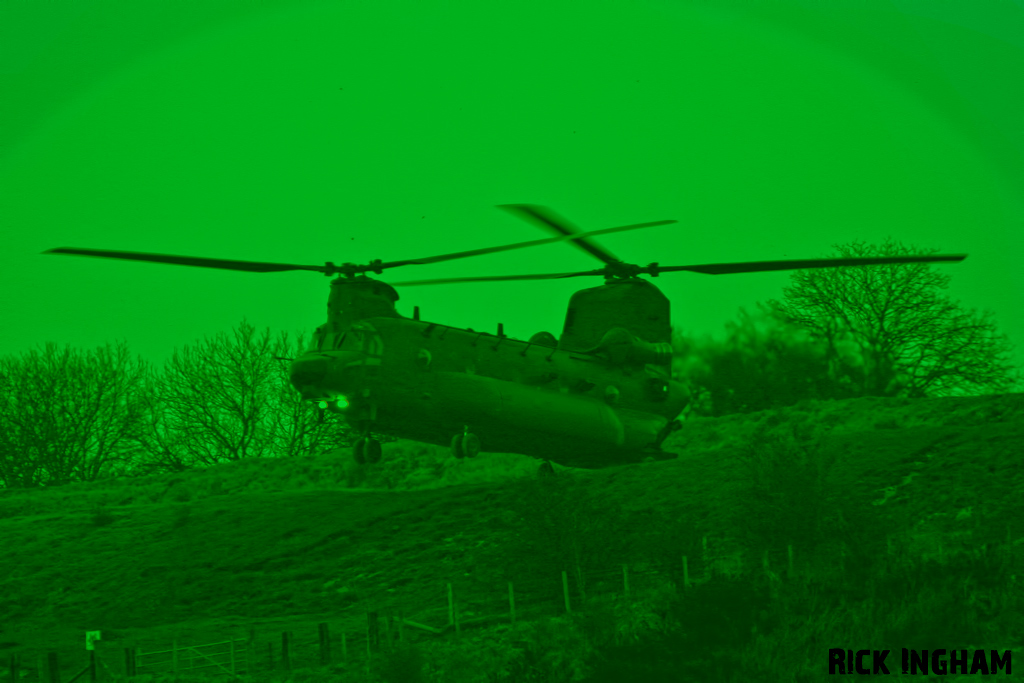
{"type": "Point", "coordinates": [883, 330]}
{"type": "Point", "coordinates": [69, 415]}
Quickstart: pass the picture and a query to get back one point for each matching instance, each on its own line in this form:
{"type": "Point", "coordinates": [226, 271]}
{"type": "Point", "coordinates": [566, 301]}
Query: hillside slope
{"type": "Point", "coordinates": [205, 555]}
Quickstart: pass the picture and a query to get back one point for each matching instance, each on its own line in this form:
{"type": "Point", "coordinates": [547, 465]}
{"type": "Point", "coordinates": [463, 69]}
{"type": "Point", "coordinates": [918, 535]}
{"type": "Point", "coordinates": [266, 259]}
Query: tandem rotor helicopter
{"type": "Point", "coordinates": [599, 395]}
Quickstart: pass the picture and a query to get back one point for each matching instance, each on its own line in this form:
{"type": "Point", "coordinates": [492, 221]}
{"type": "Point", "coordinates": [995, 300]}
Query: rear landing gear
{"type": "Point", "coordinates": [367, 449]}
{"type": "Point", "coordinates": [466, 444]}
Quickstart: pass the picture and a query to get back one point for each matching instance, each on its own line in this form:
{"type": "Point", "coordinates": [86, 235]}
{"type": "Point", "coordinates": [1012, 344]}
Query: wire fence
{"type": "Point", "coordinates": [463, 604]}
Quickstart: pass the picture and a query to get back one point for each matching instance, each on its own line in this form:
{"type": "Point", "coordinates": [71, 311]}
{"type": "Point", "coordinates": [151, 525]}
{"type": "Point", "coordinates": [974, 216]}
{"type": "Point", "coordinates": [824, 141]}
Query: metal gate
{"type": "Point", "coordinates": [232, 660]}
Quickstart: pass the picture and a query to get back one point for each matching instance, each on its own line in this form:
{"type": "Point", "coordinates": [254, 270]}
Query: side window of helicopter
{"type": "Point", "coordinates": [340, 340]}
{"type": "Point", "coordinates": [353, 339]}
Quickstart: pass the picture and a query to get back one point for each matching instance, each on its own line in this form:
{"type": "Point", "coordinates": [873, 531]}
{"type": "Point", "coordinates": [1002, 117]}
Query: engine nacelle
{"type": "Point", "coordinates": [622, 347]}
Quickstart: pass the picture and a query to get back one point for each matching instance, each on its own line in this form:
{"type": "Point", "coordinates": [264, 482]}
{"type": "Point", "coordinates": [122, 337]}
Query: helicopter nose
{"type": "Point", "coordinates": [318, 375]}
{"type": "Point", "coordinates": [307, 373]}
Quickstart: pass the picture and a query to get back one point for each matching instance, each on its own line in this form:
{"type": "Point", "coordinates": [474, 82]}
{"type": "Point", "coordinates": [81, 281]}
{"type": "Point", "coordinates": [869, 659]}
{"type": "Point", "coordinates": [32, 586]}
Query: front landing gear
{"type": "Point", "coordinates": [366, 449]}
{"type": "Point", "coordinates": [546, 469]}
{"type": "Point", "coordinates": [466, 444]}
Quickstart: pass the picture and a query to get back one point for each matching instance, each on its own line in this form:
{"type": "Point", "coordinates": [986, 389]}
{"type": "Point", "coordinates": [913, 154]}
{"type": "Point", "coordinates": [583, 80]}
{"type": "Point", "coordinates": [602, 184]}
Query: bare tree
{"type": "Point", "coordinates": [68, 415]}
{"type": "Point", "coordinates": [228, 398]}
{"type": "Point", "coordinates": [912, 341]}
{"type": "Point", "coordinates": [215, 396]}
{"type": "Point", "coordinates": [163, 440]}
{"type": "Point", "coordinates": [298, 427]}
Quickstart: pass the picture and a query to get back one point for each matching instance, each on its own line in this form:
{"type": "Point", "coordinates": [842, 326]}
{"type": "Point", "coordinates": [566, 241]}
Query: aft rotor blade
{"type": "Point", "coordinates": [519, 245]}
{"type": "Point", "coordinates": [495, 278]}
{"type": "Point", "coordinates": [546, 218]}
{"type": "Point", "coordinates": [248, 266]}
{"type": "Point", "coordinates": [714, 268]}
{"type": "Point", "coordinates": [801, 264]}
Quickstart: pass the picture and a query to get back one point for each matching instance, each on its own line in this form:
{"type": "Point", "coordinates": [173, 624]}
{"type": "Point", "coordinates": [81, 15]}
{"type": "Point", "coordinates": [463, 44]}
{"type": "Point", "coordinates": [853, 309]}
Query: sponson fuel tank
{"type": "Point", "coordinates": [585, 418]}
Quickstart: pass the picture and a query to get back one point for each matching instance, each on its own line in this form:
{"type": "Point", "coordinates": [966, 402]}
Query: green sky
{"type": "Point", "coordinates": [348, 131]}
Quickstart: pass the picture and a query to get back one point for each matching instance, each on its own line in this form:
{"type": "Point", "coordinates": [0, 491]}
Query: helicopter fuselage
{"type": "Point", "coordinates": [428, 382]}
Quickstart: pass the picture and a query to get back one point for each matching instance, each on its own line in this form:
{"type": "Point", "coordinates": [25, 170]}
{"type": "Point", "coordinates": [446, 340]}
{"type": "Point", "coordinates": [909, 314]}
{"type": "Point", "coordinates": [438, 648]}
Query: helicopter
{"type": "Point", "coordinates": [599, 395]}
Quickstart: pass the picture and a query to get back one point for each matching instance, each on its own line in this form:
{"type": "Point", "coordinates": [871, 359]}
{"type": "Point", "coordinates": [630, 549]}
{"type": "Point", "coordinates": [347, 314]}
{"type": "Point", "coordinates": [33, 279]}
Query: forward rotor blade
{"type": "Point", "coordinates": [519, 245]}
{"type": "Point", "coordinates": [248, 266]}
{"type": "Point", "coordinates": [494, 278]}
{"type": "Point", "coordinates": [548, 219]}
{"type": "Point", "coordinates": [801, 264]}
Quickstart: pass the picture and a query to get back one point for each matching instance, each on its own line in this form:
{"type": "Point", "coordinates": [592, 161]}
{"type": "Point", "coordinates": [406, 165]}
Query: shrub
{"type": "Point", "coordinates": [182, 514]}
{"type": "Point", "coordinates": [887, 423]}
{"type": "Point", "coordinates": [102, 517]}
{"type": "Point", "coordinates": [404, 664]}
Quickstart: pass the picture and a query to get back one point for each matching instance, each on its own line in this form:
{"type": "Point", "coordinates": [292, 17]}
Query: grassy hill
{"type": "Point", "coordinates": [261, 547]}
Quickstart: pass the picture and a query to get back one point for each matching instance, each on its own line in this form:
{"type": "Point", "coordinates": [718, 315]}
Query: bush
{"type": "Point", "coordinates": [102, 517]}
{"type": "Point", "coordinates": [404, 664]}
{"type": "Point", "coordinates": [182, 514]}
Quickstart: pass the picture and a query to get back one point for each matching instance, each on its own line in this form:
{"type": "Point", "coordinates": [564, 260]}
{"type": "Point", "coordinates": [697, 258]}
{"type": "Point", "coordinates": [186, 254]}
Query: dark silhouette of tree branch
{"type": "Point", "coordinates": [228, 398]}
{"type": "Point", "coordinates": [68, 415]}
{"type": "Point", "coordinates": [912, 340]}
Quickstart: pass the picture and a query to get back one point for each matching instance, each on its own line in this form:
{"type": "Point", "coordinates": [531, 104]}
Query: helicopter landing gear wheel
{"type": "Point", "coordinates": [546, 469]}
{"type": "Point", "coordinates": [465, 445]}
{"type": "Point", "coordinates": [367, 450]}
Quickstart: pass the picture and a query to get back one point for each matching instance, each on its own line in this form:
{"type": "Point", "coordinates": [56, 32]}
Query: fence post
{"type": "Point", "coordinates": [401, 625]}
{"type": "Point", "coordinates": [53, 667]}
{"type": "Point", "coordinates": [372, 632]}
{"type": "Point", "coordinates": [369, 638]}
{"type": "Point", "coordinates": [1009, 556]}
{"type": "Point", "coordinates": [686, 573]}
{"type": "Point", "coordinates": [270, 654]}
{"type": "Point", "coordinates": [1014, 568]}
{"type": "Point", "coordinates": [453, 610]}
{"type": "Point", "coordinates": [451, 605]}
{"type": "Point", "coordinates": [387, 641]}
{"type": "Point", "coordinates": [511, 603]}
{"type": "Point", "coordinates": [174, 655]}
{"type": "Point", "coordinates": [92, 666]}
{"type": "Point", "coordinates": [129, 661]}
{"type": "Point", "coordinates": [789, 553]}
{"type": "Point", "coordinates": [232, 655]}
{"type": "Point", "coordinates": [625, 578]}
{"type": "Point", "coordinates": [325, 645]}
{"type": "Point", "coordinates": [286, 654]}
{"type": "Point", "coordinates": [707, 561]}
{"type": "Point", "coordinates": [344, 647]}
{"type": "Point", "coordinates": [15, 666]}
{"type": "Point", "coordinates": [565, 592]}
